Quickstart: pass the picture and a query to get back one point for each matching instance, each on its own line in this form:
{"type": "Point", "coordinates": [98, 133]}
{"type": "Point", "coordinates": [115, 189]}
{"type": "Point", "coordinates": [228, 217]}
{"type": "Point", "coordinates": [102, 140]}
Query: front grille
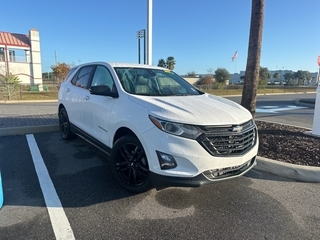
{"type": "Point", "coordinates": [229, 140]}
{"type": "Point", "coordinates": [216, 174]}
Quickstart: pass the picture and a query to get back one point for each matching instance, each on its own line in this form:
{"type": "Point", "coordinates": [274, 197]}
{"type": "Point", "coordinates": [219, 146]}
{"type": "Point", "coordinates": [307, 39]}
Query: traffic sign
{"type": "Point", "coordinates": [319, 60]}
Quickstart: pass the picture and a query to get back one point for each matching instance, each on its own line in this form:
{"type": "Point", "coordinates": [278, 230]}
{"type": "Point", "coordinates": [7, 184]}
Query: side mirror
{"type": "Point", "coordinates": [103, 90]}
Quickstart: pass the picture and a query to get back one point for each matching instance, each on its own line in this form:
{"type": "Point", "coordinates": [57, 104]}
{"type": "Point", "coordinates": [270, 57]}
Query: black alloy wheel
{"type": "Point", "coordinates": [64, 124]}
{"type": "Point", "coordinates": [130, 164]}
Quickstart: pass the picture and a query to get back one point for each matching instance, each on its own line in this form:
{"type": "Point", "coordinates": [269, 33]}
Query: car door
{"type": "Point", "coordinates": [99, 108]}
{"type": "Point", "coordinates": [78, 96]}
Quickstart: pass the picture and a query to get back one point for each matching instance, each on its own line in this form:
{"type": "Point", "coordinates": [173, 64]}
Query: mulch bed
{"type": "Point", "coordinates": [288, 144]}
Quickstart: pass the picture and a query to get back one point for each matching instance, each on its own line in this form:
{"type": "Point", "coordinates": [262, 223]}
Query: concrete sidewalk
{"type": "Point", "coordinates": [22, 117]}
{"type": "Point", "coordinates": [46, 120]}
{"type": "Point", "coordinates": [28, 120]}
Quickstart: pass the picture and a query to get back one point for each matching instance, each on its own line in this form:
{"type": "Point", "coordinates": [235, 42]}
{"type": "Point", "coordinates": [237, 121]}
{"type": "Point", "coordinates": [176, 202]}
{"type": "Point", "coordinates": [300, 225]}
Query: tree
{"type": "Point", "coordinates": [210, 71]}
{"type": "Point", "coordinates": [162, 63]}
{"type": "Point", "coordinates": [276, 76]}
{"type": "Point", "coordinates": [289, 77]}
{"type": "Point", "coordinates": [264, 76]}
{"type": "Point", "coordinates": [302, 76]}
{"type": "Point", "coordinates": [192, 74]}
{"type": "Point", "coordinates": [249, 93]}
{"type": "Point", "coordinates": [169, 63]}
{"type": "Point", "coordinates": [9, 85]}
{"type": "Point", "coordinates": [60, 71]}
{"type": "Point", "coordinates": [206, 80]}
{"type": "Point", "coordinates": [308, 77]}
{"type": "Point", "coordinates": [299, 77]}
{"type": "Point", "coordinates": [222, 75]}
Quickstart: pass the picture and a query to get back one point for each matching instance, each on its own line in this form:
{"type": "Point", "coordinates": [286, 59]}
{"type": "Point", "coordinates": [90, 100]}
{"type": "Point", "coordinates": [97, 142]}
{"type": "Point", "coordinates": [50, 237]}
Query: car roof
{"type": "Point", "coordinates": [120, 64]}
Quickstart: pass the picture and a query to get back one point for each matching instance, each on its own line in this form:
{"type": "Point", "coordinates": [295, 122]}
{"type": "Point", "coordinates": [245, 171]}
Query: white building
{"type": "Point", "coordinates": [20, 55]}
{"type": "Point", "coordinates": [236, 77]}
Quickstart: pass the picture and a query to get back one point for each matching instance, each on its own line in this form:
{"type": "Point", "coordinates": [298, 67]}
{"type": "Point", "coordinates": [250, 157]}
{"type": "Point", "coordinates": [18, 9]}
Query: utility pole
{"type": "Point", "coordinates": [55, 57]}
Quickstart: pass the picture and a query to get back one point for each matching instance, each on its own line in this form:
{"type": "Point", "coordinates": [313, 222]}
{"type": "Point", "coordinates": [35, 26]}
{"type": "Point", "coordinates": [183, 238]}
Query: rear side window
{"type": "Point", "coordinates": [81, 79]}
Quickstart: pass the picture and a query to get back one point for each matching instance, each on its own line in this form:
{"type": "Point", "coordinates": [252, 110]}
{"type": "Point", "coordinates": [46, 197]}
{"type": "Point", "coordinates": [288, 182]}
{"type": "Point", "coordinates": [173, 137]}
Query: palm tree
{"type": "Point", "coordinates": [161, 63]}
{"type": "Point", "coordinates": [171, 63]}
{"type": "Point", "coordinates": [9, 85]}
{"type": "Point", "coordinates": [251, 79]}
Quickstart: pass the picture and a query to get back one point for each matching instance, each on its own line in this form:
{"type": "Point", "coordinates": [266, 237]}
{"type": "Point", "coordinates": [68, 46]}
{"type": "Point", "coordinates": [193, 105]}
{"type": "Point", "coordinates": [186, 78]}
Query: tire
{"type": "Point", "coordinates": [64, 124]}
{"type": "Point", "coordinates": [129, 164]}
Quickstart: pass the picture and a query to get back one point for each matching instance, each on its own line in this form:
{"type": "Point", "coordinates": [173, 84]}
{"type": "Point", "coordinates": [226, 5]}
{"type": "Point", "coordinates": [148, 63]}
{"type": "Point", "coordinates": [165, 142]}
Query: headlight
{"type": "Point", "coordinates": [179, 129]}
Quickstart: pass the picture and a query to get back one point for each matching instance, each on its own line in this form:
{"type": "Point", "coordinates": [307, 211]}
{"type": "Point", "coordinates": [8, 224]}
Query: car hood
{"type": "Point", "coordinates": [205, 109]}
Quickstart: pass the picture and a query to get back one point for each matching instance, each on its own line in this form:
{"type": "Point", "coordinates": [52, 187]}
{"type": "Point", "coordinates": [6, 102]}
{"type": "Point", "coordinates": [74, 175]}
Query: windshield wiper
{"type": "Point", "coordinates": [182, 94]}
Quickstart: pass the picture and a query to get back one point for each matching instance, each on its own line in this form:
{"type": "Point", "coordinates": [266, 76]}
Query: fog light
{"type": "Point", "coordinates": [166, 161]}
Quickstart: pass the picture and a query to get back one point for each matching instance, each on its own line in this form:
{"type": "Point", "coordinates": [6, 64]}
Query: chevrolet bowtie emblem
{"type": "Point", "coordinates": [237, 129]}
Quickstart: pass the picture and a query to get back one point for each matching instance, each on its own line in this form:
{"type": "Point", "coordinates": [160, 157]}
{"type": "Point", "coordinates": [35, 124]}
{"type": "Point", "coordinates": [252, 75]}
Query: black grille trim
{"type": "Point", "coordinates": [231, 140]}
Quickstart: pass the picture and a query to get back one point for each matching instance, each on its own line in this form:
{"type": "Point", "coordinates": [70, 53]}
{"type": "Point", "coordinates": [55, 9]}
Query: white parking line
{"type": "Point", "coordinates": [59, 221]}
{"type": "Point", "coordinates": [276, 109]}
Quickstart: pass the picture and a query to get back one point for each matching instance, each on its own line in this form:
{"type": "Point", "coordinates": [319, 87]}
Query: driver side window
{"type": "Point", "coordinates": [81, 79]}
{"type": "Point", "coordinates": [102, 77]}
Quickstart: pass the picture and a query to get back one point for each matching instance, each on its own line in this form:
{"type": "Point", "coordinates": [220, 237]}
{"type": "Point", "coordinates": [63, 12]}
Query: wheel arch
{"type": "Point", "coordinates": [123, 131]}
{"type": "Point", "coordinates": [60, 106]}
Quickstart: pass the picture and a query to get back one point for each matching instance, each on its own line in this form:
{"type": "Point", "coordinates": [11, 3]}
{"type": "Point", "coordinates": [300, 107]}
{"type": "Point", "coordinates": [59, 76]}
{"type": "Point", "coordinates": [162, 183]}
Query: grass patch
{"type": "Point", "coordinates": [43, 95]}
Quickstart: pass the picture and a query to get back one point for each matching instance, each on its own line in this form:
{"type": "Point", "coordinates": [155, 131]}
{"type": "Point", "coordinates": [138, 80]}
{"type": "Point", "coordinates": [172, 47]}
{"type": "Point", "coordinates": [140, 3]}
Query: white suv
{"type": "Point", "coordinates": [158, 129]}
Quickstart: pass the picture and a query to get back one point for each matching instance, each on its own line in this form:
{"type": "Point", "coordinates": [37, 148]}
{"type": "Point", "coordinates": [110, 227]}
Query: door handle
{"type": "Point", "coordinates": [87, 98]}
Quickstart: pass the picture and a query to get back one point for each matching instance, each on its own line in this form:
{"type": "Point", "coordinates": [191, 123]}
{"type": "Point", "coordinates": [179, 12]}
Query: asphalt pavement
{"type": "Point", "coordinates": [19, 119]}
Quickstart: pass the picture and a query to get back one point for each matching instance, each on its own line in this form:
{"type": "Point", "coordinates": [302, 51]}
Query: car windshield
{"type": "Point", "coordinates": [154, 82]}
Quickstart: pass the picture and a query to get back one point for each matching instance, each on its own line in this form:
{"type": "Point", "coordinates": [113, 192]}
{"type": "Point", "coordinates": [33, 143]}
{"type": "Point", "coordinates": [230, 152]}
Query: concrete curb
{"type": "Point", "coordinates": [303, 103]}
{"type": "Point", "coordinates": [26, 101]}
{"type": "Point", "coordinates": [28, 130]}
{"type": "Point", "coordinates": [288, 170]}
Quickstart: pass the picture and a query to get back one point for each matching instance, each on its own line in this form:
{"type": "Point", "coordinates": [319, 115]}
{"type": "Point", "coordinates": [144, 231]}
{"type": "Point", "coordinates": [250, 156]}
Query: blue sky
{"type": "Point", "coordinates": [199, 34]}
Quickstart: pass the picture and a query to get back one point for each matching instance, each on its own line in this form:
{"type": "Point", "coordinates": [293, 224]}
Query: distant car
{"type": "Point", "coordinates": [158, 129]}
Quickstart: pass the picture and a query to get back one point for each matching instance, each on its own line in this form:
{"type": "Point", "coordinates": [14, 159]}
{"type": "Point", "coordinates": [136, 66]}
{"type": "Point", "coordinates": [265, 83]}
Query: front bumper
{"type": "Point", "coordinates": [207, 177]}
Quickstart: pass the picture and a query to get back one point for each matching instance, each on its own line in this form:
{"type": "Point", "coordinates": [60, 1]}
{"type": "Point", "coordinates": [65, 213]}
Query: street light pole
{"type": "Point", "coordinates": [141, 34]}
{"type": "Point", "coordinates": [139, 50]}
{"type": "Point", "coordinates": [138, 36]}
{"type": "Point", "coordinates": [318, 76]}
{"type": "Point", "coordinates": [149, 32]}
{"type": "Point", "coordinates": [144, 47]}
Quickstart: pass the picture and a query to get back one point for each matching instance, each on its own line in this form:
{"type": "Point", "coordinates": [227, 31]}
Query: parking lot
{"type": "Point", "coordinates": [79, 199]}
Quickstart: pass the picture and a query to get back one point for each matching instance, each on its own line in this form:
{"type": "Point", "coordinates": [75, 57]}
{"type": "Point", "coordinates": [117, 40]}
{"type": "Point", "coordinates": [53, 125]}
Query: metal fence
{"type": "Point", "coordinates": [28, 91]}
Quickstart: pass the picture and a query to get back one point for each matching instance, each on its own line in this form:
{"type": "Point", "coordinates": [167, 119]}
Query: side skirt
{"type": "Point", "coordinates": [90, 139]}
